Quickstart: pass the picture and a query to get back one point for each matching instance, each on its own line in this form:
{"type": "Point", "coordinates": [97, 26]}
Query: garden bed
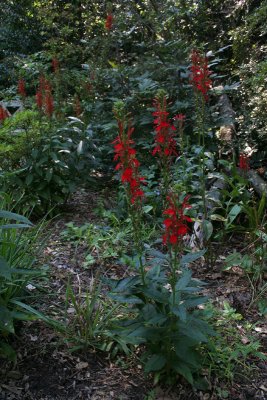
{"type": "Point", "coordinates": [47, 370]}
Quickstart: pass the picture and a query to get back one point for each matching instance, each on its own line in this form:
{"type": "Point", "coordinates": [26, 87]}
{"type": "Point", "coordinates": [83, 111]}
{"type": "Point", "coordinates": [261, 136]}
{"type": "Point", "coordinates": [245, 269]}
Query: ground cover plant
{"type": "Point", "coordinates": [132, 137]}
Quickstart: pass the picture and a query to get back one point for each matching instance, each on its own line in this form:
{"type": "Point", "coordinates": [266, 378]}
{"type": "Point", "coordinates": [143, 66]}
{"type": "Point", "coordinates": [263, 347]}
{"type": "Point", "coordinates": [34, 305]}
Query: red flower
{"type": "Point", "coordinates": [176, 222]}
{"type": "Point", "coordinates": [3, 114]}
{"type": "Point", "coordinates": [200, 74]}
{"type": "Point", "coordinates": [165, 144]}
{"type": "Point", "coordinates": [109, 21]}
{"type": "Point", "coordinates": [128, 163]}
{"type": "Point", "coordinates": [243, 162]}
{"type": "Point", "coordinates": [127, 175]}
{"type": "Point", "coordinates": [179, 117]}
{"type": "Point", "coordinates": [39, 99]}
{"type": "Point", "coordinates": [21, 88]}
{"type": "Point", "coordinates": [55, 64]}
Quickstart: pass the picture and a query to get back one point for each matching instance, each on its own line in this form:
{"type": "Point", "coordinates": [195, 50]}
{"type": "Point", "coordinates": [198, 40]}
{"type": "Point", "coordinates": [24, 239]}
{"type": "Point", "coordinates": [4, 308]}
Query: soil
{"type": "Point", "coordinates": [47, 369]}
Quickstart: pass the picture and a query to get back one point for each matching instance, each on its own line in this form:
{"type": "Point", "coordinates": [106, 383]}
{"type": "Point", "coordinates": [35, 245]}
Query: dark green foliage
{"type": "Point", "coordinates": [53, 168]}
{"type": "Point", "coordinates": [169, 324]}
{"type": "Point", "coordinates": [18, 272]}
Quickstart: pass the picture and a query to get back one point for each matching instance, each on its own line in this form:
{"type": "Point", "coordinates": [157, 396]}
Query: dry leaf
{"type": "Point", "coordinates": [81, 365]}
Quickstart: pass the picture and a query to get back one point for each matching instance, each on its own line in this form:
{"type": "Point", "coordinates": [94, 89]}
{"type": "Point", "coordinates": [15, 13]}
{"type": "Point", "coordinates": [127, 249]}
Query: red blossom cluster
{"type": "Point", "coordinates": [21, 88]}
{"type": "Point", "coordinates": [125, 154]}
{"type": "Point", "coordinates": [165, 142]}
{"type": "Point", "coordinates": [200, 74]}
{"type": "Point", "coordinates": [176, 222]}
{"type": "Point", "coordinates": [243, 162]}
{"type": "Point", "coordinates": [44, 97]}
{"type": "Point", "coordinates": [55, 64]}
{"type": "Point", "coordinates": [3, 114]}
{"type": "Point", "coordinates": [109, 21]}
{"type": "Point", "coordinates": [180, 118]}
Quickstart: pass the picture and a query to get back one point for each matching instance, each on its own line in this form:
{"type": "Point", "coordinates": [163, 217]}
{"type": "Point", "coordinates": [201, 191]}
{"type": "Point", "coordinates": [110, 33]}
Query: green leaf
{"type": "Point", "coordinates": [190, 303]}
{"type": "Point", "coordinates": [113, 64]}
{"type": "Point", "coordinates": [155, 363]}
{"type": "Point", "coordinates": [234, 212]}
{"type": "Point", "coordinates": [192, 332]}
{"type": "Point", "coordinates": [232, 260]}
{"type": "Point", "coordinates": [126, 283]}
{"type": "Point", "coordinates": [183, 281]}
{"type": "Point", "coordinates": [261, 207]}
{"type": "Point", "coordinates": [217, 217]}
{"type": "Point", "coordinates": [4, 269]}
{"type": "Point", "coordinates": [32, 311]}
{"type": "Point", "coordinates": [80, 147]}
{"type": "Point", "coordinates": [185, 371]}
{"type": "Point", "coordinates": [29, 179]}
{"type": "Point", "coordinates": [207, 229]}
{"type": "Point", "coordinates": [16, 217]}
{"type": "Point", "coordinates": [48, 175]}
{"type": "Point", "coordinates": [153, 293]}
{"type": "Point", "coordinates": [151, 315]}
{"type": "Point", "coordinates": [180, 312]}
{"type": "Point", "coordinates": [191, 257]}
{"type": "Point", "coordinates": [186, 353]}
{"type": "Point", "coordinates": [157, 254]}
{"type": "Point", "coordinates": [147, 209]}
{"type": "Point", "coordinates": [16, 226]}
{"type": "Point", "coordinates": [125, 299]}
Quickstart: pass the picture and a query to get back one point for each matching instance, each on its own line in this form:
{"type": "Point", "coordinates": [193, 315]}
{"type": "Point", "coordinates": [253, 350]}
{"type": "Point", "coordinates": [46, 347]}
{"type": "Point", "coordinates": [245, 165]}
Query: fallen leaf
{"type": "Point", "coordinates": [81, 365]}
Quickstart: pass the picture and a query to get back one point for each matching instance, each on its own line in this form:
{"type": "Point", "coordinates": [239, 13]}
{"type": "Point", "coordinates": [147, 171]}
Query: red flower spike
{"type": "Point", "coordinates": [3, 114]}
{"type": "Point", "coordinates": [21, 88]}
{"type": "Point", "coordinates": [109, 22]}
{"type": "Point", "coordinates": [243, 162]}
{"type": "Point", "coordinates": [165, 144]}
{"type": "Point", "coordinates": [39, 99]}
{"type": "Point", "coordinates": [179, 117]}
{"type": "Point", "coordinates": [176, 223]}
{"type": "Point", "coordinates": [128, 163]}
{"type": "Point", "coordinates": [200, 74]}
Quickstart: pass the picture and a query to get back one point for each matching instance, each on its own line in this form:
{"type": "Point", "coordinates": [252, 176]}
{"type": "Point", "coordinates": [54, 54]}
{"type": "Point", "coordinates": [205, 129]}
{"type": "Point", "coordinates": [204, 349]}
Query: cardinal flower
{"type": "Point", "coordinates": [109, 21]}
{"type": "Point", "coordinates": [21, 88]}
{"type": "Point", "coordinates": [243, 162]}
{"type": "Point", "coordinates": [165, 144]}
{"type": "Point", "coordinates": [125, 155]}
{"type": "Point", "coordinates": [200, 74]}
{"type": "Point", "coordinates": [48, 99]}
{"type": "Point", "coordinates": [176, 222]}
{"type": "Point", "coordinates": [3, 114]}
{"type": "Point", "coordinates": [39, 99]}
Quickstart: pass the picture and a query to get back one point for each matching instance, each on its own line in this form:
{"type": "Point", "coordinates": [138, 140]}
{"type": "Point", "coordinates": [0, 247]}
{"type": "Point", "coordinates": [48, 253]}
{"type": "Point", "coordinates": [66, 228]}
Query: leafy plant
{"type": "Point", "coordinates": [88, 319]}
{"type": "Point", "coordinates": [253, 265]}
{"type": "Point", "coordinates": [52, 170]}
{"type": "Point", "coordinates": [17, 273]}
{"type": "Point", "coordinates": [167, 322]}
{"type": "Point", "coordinates": [19, 135]}
{"type": "Point", "coordinates": [226, 354]}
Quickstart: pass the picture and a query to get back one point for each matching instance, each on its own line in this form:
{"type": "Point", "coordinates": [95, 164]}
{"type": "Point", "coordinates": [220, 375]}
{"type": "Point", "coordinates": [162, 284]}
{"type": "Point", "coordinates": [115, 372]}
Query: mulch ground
{"type": "Point", "coordinates": [46, 369]}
